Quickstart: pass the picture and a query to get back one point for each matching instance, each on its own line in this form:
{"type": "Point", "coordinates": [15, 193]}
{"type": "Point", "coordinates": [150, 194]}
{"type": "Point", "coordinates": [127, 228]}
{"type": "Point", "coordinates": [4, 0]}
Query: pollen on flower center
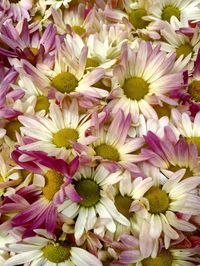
{"type": "Point", "coordinates": [135, 18]}
{"type": "Point", "coordinates": [158, 200]}
{"type": "Point", "coordinates": [107, 152]}
{"type": "Point", "coordinates": [34, 50]}
{"type": "Point", "coordinates": [194, 90]}
{"type": "Point", "coordinates": [65, 82]}
{"type": "Point", "coordinates": [170, 11]}
{"type": "Point", "coordinates": [42, 103]}
{"type": "Point", "coordinates": [123, 204]}
{"type": "Point", "coordinates": [89, 192]}
{"type": "Point", "coordinates": [63, 137]}
{"type": "Point", "coordinates": [79, 30]}
{"type": "Point", "coordinates": [56, 253]}
{"type": "Point", "coordinates": [11, 128]}
{"type": "Point", "coordinates": [53, 182]}
{"type": "Point", "coordinates": [184, 49]}
{"type": "Point", "coordinates": [165, 258]}
{"type": "Point", "coordinates": [135, 88]}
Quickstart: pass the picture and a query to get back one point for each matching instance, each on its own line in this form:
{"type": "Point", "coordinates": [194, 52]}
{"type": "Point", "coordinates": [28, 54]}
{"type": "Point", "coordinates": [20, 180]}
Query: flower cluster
{"type": "Point", "coordinates": [100, 132]}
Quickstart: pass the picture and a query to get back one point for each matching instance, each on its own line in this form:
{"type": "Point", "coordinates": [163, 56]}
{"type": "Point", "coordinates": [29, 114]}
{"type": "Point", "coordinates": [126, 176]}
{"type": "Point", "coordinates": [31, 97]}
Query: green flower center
{"type": "Point", "coordinates": [107, 152]}
{"type": "Point", "coordinates": [123, 204]}
{"type": "Point", "coordinates": [136, 18]}
{"type": "Point", "coordinates": [11, 129]}
{"type": "Point", "coordinates": [170, 11]}
{"type": "Point", "coordinates": [99, 84]}
{"type": "Point", "coordinates": [56, 253]}
{"type": "Point", "coordinates": [65, 82]}
{"type": "Point", "coordinates": [135, 88]}
{"type": "Point", "coordinates": [194, 90]}
{"type": "Point", "coordinates": [187, 174]}
{"type": "Point", "coordinates": [63, 137]}
{"type": "Point", "coordinates": [89, 192]}
{"type": "Point", "coordinates": [42, 103]}
{"type": "Point", "coordinates": [91, 63]}
{"type": "Point", "coordinates": [165, 258]}
{"type": "Point", "coordinates": [79, 30]}
{"type": "Point", "coordinates": [184, 49]}
{"type": "Point", "coordinates": [158, 200]}
{"type": "Point", "coordinates": [196, 141]}
{"type": "Point", "coordinates": [53, 182]}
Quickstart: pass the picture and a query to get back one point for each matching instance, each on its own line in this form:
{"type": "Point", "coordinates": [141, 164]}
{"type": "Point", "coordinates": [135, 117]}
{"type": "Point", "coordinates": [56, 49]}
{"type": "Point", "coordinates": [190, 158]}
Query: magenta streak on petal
{"type": "Point", "coordinates": [197, 65]}
{"type": "Point", "coordinates": [71, 193]}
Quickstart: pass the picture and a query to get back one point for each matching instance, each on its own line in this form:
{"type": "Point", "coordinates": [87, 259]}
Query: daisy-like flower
{"type": "Point", "coordinates": [137, 12]}
{"type": "Point", "coordinates": [94, 205]}
{"type": "Point", "coordinates": [181, 44]}
{"type": "Point", "coordinates": [144, 78]}
{"type": "Point", "coordinates": [165, 201]}
{"type": "Point", "coordinates": [187, 127]}
{"type": "Point", "coordinates": [43, 251]}
{"type": "Point", "coordinates": [166, 9]}
{"type": "Point", "coordinates": [74, 20]}
{"type": "Point", "coordinates": [58, 132]}
{"type": "Point", "coordinates": [22, 42]}
{"type": "Point", "coordinates": [34, 99]}
{"type": "Point", "coordinates": [53, 187]}
{"type": "Point", "coordinates": [113, 147]}
{"type": "Point", "coordinates": [17, 9]}
{"type": "Point", "coordinates": [172, 155]}
{"type": "Point", "coordinates": [166, 257]}
{"type": "Point", "coordinates": [67, 77]}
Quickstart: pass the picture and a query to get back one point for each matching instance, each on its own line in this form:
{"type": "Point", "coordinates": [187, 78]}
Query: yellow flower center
{"type": "Point", "coordinates": [65, 82]}
{"type": "Point", "coordinates": [158, 200]}
{"type": "Point", "coordinates": [79, 30]}
{"type": "Point", "coordinates": [63, 137]}
{"type": "Point", "coordinates": [34, 50]}
{"type": "Point", "coordinates": [165, 258]}
{"type": "Point", "coordinates": [108, 152]}
{"type": "Point", "coordinates": [56, 253]}
{"type": "Point", "coordinates": [187, 174]}
{"type": "Point", "coordinates": [89, 192]}
{"type": "Point", "coordinates": [37, 17]}
{"type": "Point", "coordinates": [194, 90]}
{"type": "Point", "coordinates": [123, 204]}
{"type": "Point", "coordinates": [53, 182]}
{"type": "Point", "coordinates": [136, 18]}
{"type": "Point", "coordinates": [184, 49]}
{"type": "Point", "coordinates": [11, 129]}
{"type": "Point", "coordinates": [196, 141]}
{"type": "Point", "coordinates": [170, 11]}
{"type": "Point", "coordinates": [42, 103]}
{"type": "Point", "coordinates": [135, 88]}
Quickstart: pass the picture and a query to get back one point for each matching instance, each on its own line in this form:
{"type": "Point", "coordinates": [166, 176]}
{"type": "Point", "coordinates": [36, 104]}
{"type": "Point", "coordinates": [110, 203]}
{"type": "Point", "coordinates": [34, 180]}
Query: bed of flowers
{"type": "Point", "coordinates": [99, 132]}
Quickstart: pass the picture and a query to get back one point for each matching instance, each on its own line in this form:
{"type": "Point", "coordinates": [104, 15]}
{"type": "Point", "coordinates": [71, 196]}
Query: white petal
{"type": "Point", "coordinates": [23, 258]}
{"type": "Point", "coordinates": [81, 257]}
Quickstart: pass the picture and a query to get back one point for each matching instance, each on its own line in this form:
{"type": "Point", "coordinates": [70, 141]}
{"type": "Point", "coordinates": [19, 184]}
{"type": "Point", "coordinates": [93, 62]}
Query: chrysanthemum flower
{"type": "Point", "coordinates": [137, 12]}
{"type": "Point", "coordinates": [187, 127]}
{"type": "Point", "coordinates": [113, 147]}
{"type": "Point", "coordinates": [58, 132]}
{"type": "Point", "coordinates": [172, 155]}
{"type": "Point", "coordinates": [142, 78]}
{"type": "Point", "coordinates": [23, 43]}
{"type": "Point", "coordinates": [165, 9]}
{"type": "Point", "coordinates": [42, 251]}
{"type": "Point", "coordinates": [163, 203]}
{"type": "Point", "coordinates": [54, 185]}
{"type": "Point", "coordinates": [181, 44]}
{"type": "Point", "coordinates": [94, 205]}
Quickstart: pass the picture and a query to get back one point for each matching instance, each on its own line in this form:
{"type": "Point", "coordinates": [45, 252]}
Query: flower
{"type": "Point", "coordinates": [94, 205]}
{"type": "Point", "coordinates": [43, 251]}
{"type": "Point", "coordinates": [144, 77]}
